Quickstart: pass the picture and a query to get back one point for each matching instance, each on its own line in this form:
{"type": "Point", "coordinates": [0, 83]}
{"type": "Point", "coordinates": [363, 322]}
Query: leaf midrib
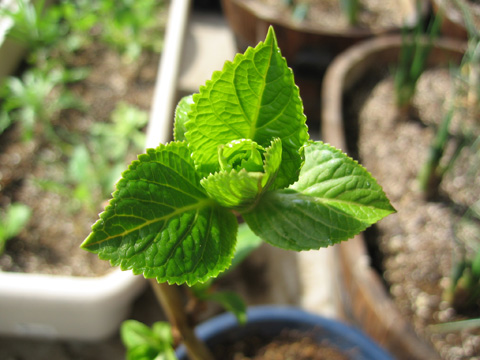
{"type": "Point", "coordinates": [197, 206]}
{"type": "Point", "coordinates": [253, 125]}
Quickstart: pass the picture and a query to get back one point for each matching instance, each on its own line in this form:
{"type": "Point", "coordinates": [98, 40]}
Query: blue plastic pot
{"type": "Point", "coordinates": [269, 321]}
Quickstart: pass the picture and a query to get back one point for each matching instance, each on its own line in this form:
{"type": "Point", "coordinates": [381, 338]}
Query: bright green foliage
{"type": "Point", "coordinates": [246, 152]}
{"type": "Point", "coordinates": [145, 343]}
{"type": "Point", "coordinates": [246, 171]}
{"type": "Point", "coordinates": [181, 117]}
{"type": "Point", "coordinates": [162, 224]}
{"type": "Point", "coordinates": [123, 133]}
{"type": "Point", "coordinates": [92, 171]}
{"type": "Point", "coordinates": [12, 222]}
{"type": "Point", "coordinates": [33, 25]}
{"type": "Point", "coordinates": [255, 98]}
{"type": "Point", "coordinates": [132, 25]}
{"type": "Point", "coordinates": [32, 102]}
{"type": "Point", "coordinates": [334, 199]}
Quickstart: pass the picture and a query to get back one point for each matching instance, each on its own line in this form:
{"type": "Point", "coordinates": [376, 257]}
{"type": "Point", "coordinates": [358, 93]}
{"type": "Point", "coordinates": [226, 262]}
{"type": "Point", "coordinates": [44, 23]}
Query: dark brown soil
{"type": "Point", "coordinates": [288, 345]}
{"type": "Point", "coordinates": [50, 243]}
{"type": "Point", "coordinates": [418, 244]}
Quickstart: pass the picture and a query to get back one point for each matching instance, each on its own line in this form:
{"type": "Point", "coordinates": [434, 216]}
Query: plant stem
{"type": "Point", "coordinates": [170, 299]}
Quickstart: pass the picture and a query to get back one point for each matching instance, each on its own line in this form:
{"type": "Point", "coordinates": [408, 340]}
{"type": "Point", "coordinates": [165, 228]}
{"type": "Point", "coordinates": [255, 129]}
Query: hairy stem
{"type": "Point", "coordinates": [170, 299]}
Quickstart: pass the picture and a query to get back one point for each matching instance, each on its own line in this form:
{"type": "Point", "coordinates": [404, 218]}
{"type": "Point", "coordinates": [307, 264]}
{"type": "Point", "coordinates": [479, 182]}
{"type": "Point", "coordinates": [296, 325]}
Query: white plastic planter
{"type": "Point", "coordinates": [92, 308]}
{"type": "Point", "coordinates": [65, 307]}
{"type": "Point", "coordinates": [10, 52]}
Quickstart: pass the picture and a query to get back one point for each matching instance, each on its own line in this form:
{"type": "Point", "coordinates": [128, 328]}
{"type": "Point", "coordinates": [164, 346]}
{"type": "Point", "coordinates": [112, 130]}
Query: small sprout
{"type": "Point", "coordinates": [412, 61]}
{"type": "Point", "coordinates": [351, 8]}
{"type": "Point", "coordinates": [12, 222]}
{"type": "Point", "coordinates": [143, 342]}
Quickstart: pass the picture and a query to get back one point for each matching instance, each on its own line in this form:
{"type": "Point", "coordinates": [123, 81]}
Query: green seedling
{"type": "Point", "coordinates": [432, 173]}
{"type": "Point", "coordinates": [82, 17]}
{"type": "Point", "coordinates": [33, 100]}
{"type": "Point", "coordinates": [147, 343]}
{"type": "Point", "coordinates": [412, 61]}
{"type": "Point", "coordinates": [464, 290]}
{"type": "Point", "coordinates": [131, 26]}
{"type": "Point", "coordinates": [12, 222]}
{"type": "Point", "coordinates": [245, 153]}
{"type": "Point", "coordinates": [94, 171]}
{"type": "Point", "coordinates": [34, 25]}
{"type": "Point", "coordinates": [450, 327]}
{"type": "Point", "coordinates": [464, 106]}
{"type": "Point", "coordinates": [123, 133]}
{"type": "Point", "coordinates": [350, 9]}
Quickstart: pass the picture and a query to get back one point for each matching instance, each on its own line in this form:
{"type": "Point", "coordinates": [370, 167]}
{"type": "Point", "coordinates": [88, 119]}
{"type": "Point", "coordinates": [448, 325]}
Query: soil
{"type": "Point", "coordinates": [419, 243]}
{"type": "Point", "coordinates": [50, 242]}
{"type": "Point", "coordinates": [288, 345]}
{"type": "Point", "coordinates": [373, 14]}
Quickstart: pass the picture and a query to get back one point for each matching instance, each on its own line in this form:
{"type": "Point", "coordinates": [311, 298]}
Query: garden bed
{"type": "Point", "coordinates": [61, 184]}
{"type": "Point", "coordinates": [50, 242]}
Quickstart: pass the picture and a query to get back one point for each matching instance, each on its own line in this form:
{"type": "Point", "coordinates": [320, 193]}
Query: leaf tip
{"type": "Point", "coordinates": [271, 36]}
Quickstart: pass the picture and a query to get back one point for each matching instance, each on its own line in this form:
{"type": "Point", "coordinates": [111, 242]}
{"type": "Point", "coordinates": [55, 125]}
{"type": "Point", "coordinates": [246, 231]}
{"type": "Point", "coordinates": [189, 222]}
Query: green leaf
{"type": "Point", "coordinates": [135, 333]}
{"type": "Point", "coordinates": [80, 165]}
{"type": "Point", "coordinates": [334, 199]}
{"type": "Point", "coordinates": [181, 117]}
{"type": "Point", "coordinates": [234, 189]}
{"type": "Point", "coordinates": [273, 160]}
{"type": "Point", "coordinates": [12, 222]}
{"type": "Point", "coordinates": [145, 343]}
{"type": "Point", "coordinates": [231, 302]}
{"type": "Point", "coordinates": [241, 154]}
{"type": "Point", "coordinates": [254, 97]}
{"type": "Point", "coordinates": [247, 241]}
{"type": "Point", "coordinates": [16, 217]}
{"type": "Point", "coordinates": [246, 175]}
{"type": "Point", "coordinates": [161, 223]}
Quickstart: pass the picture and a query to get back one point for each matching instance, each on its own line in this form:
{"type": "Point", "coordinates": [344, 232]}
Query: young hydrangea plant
{"type": "Point", "coordinates": [241, 149]}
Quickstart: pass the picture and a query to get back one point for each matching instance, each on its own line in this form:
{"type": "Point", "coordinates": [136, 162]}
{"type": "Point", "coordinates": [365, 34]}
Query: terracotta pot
{"type": "Point", "coordinates": [250, 19]}
{"type": "Point", "coordinates": [266, 322]}
{"type": "Point", "coordinates": [364, 297]}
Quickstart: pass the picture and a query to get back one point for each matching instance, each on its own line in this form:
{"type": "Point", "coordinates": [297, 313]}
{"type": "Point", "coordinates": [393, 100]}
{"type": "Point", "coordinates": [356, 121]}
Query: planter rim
{"type": "Point", "coordinates": [273, 314]}
{"type": "Point", "coordinates": [67, 287]}
{"type": "Point", "coordinates": [338, 76]}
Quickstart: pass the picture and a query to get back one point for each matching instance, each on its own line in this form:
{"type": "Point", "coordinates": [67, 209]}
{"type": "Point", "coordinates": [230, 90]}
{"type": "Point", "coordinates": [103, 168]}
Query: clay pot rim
{"type": "Point", "coordinates": [354, 252]}
{"type": "Point", "coordinates": [270, 15]}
